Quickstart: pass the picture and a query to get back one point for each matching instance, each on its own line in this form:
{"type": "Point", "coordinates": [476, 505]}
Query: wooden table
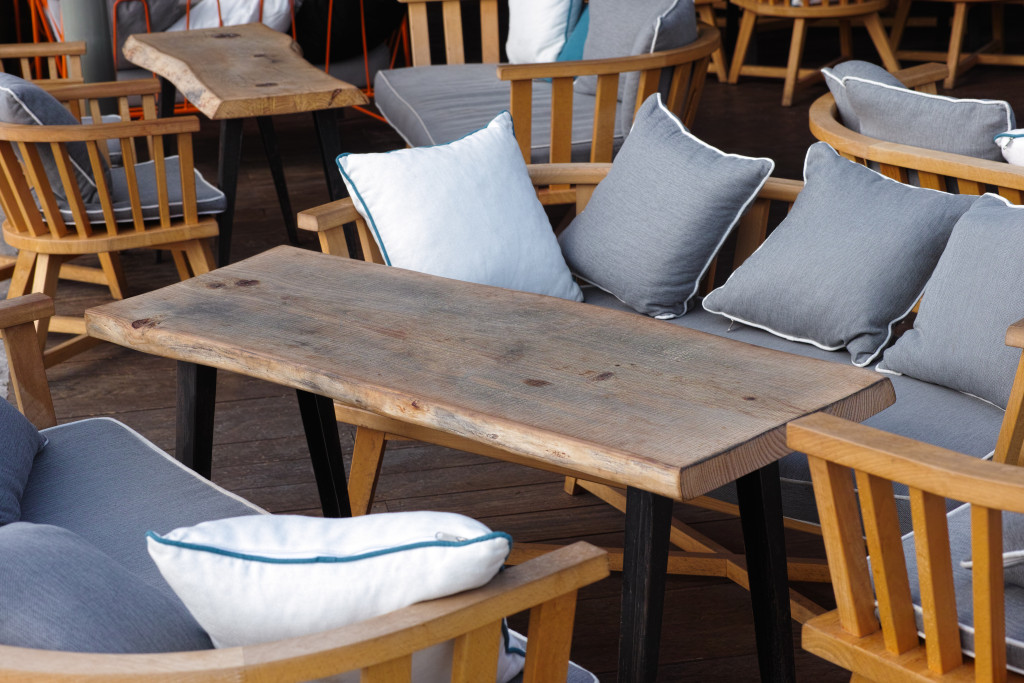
{"type": "Point", "coordinates": [604, 395]}
{"type": "Point", "coordinates": [239, 72]}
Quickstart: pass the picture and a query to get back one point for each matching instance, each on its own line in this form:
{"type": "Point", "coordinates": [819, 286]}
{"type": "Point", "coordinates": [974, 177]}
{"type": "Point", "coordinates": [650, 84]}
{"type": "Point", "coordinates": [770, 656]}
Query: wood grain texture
{"type": "Point", "coordinates": [607, 393]}
{"type": "Point", "coordinates": [240, 71]}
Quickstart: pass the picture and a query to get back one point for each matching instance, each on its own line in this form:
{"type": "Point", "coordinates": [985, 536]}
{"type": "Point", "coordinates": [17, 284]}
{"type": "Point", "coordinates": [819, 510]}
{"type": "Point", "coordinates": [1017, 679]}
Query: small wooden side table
{"type": "Point", "coordinates": [247, 71]}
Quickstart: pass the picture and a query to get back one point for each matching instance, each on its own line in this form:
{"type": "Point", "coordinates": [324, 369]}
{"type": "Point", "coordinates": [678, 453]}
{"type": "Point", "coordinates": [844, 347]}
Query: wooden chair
{"type": "Point", "coordinates": [886, 647]}
{"type": "Point", "coordinates": [933, 169]}
{"type": "Point", "coordinates": [45, 63]}
{"type": "Point", "coordinates": [685, 67]}
{"type": "Point", "coordinates": [956, 61]}
{"type": "Point", "coordinates": [381, 647]}
{"type": "Point", "coordinates": [49, 234]}
{"type": "Point", "coordinates": [706, 13]}
{"type": "Point", "coordinates": [845, 11]}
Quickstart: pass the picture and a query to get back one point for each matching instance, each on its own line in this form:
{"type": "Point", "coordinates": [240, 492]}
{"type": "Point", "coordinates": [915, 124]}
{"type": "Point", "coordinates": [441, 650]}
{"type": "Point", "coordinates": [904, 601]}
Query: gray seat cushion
{"type": "Point", "coordinates": [209, 200]}
{"type": "Point", "coordinates": [928, 412]}
{"type": "Point", "coordinates": [106, 483]}
{"type": "Point", "coordinates": [433, 105]}
{"type": "Point", "coordinates": [19, 443]}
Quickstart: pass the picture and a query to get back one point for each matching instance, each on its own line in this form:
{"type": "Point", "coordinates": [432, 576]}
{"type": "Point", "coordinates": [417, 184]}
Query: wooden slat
{"type": "Point", "coordinates": [885, 545]}
{"type": "Point", "coordinates": [489, 35]}
{"type": "Point", "coordinates": [931, 181]}
{"type": "Point", "coordinates": [605, 103]}
{"type": "Point", "coordinates": [367, 456]}
{"type": "Point", "coordinates": [935, 578]}
{"type": "Point", "coordinates": [561, 121]}
{"type": "Point", "coordinates": [895, 172]}
{"type": "Point", "coordinates": [987, 580]}
{"type": "Point", "coordinates": [649, 81]}
{"type": "Point", "coordinates": [44, 194]}
{"type": "Point", "coordinates": [1010, 445]}
{"type": "Point", "coordinates": [72, 192]}
{"type": "Point", "coordinates": [521, 108]}
{"type": "Point", "coordinates": [840, 525]}
{"type": "Point", "coordinates": [102, 188]}
{"type": "Point", "coordinates": [476, 654]}
{"type": "Point", "coordinates": [160, 170]}
{"type": "Point", "coordinates": [398, 670]}
{"type": "Point", "coordinates": [131, 177]}
{"type": "Point", "coordinates": [550, 625]}
{"type": "Point", "coordinates": [15, 195]}
{"type": "Point", "coordinates": [679, 88]}
{"type": "Point", "coordinates": [188, 179]}
{"type": "Point", "coordinates": [1012, 194]}
{"type": "Point", "coordinates": [453, 48]}
{"type": "Point", "coordinates": [419, 34]}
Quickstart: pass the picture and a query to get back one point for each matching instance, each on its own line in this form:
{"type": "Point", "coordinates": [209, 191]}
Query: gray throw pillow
{"type": "Point", "coordinates": [834, 79]}
{"type": "Point", "coordinates": [956, 341]}
{"type": "Point", "coordinates": [945, 124]}
{"type": "Point", "coordinates": [847, 263]}
{"type": "Point", "coordinates": [19, 443]}
{"type": "Point", "coordinates": [622, 28]}
{"type": "Point", "coordinates": [25, 103]}
{"type": "Point", "coordinates": [58, 592]}
{"type": "Point", "coordinates": [654, 224]}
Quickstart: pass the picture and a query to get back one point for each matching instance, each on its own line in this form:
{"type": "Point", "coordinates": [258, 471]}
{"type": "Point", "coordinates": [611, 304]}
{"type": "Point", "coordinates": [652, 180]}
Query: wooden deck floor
{"type": "Point", "coordinates": [260, 451]}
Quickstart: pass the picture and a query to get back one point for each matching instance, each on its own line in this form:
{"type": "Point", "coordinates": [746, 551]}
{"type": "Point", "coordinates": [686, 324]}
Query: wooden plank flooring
{"type": "Point", "coordinates": [260, 451]}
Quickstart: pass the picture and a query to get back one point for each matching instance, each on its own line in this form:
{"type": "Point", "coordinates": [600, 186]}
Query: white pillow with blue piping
{"type": "Point", "coordinates": [465, 210]}
{"type": "Point", "coordinates": [261, 578]}
{"type": "Point", "coordinates": [538, 29]}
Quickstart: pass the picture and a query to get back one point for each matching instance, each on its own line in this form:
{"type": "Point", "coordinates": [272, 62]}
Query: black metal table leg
{"type": "Point", "coordinates": [326, 123]}
{"type": "Point", "coordinates": [266, 125]}
{"type": "Point", "coordinates": [325, 453]}
{"type": "Point", "coordinates": [645, 563]}
{"type": "Point", "coordinates": [197, 393]}
{"type": "Point", "coordinates": [760, 501]}
{"type": "Point", "coordinates": [228, 161]}
{"type": "Point", "coordinates": [166, 110]}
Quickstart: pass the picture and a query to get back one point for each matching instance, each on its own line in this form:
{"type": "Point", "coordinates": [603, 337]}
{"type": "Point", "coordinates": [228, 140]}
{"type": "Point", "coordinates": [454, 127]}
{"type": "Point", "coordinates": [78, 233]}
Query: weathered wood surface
{"type": "Point", "coordinates": [240, 71]}
{"type": "Point", "coordinates": [609, 395]}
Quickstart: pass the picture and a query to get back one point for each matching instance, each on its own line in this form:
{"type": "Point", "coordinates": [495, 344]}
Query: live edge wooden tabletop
{"type": "Point", "coordinates": [606, 395]}
{"type": "Point", "coordinates": [240, 71]}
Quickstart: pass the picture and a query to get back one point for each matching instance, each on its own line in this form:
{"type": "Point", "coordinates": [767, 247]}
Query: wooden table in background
{"type": "Point", "coordinates": [247, 71]}
{"type": "Point", "coordinates": [603, 395]}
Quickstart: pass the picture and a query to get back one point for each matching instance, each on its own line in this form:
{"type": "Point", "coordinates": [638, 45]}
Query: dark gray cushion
{"type": "Point", "coordinates": [847, 263]}
{"type": "Point", "coordinates": [109, 485]}
{"type": "Point", "coordinates": [209, 199]}
{"type": "Point", "coordinates": [434, 105]}
{"type": "Point", "coordinates": [945, 124]}
{"type": "Point", "coordinates": [654, 224]}
{"type": "Point", "coordinates": [971, 299]}
{"type": "Point", "coordinates": [854, 67]}
{"type": "Point", "coordinates": [19, 443]}
{"type": "Point", "coordinates": [133, 17]}
{"type": "Point", "coordinates": [58, 592]}
{"type": "Point", "coordinates": [959, 521]}
{"type": "Point", "coordinates": [25, 103]}
{"type": "Point", "coordinates": [621, 28]}
{"type": "Point", "coordinates": [922, 411]}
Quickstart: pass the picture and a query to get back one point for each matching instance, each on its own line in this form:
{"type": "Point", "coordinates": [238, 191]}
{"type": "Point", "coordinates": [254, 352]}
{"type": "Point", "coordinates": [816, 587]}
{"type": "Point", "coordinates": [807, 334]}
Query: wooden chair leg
{"type": "Point", "coordinates": [572, 486]}
{"type": "Point", "coordinates": [7, 267]}
{"type": "Point", "coordinates": [899, 23]}
{"type": "Point", "coordinates": [111, 263]}
{"type": "Point", "coordinates": [742, 44]}
{"type": "Point", "coordinates": [551, 628]}
{"type": "Point", "coordinates": [24, 269]}
{"type": "Point", "coordinates": [845, 39]}
{"type": "Point", "coordinates": [873, 23]}
{"type": "Point", "coordinates": [998, 27]}
{"type": "Point", "coordinates": [200, 256]}
{"type": "Point", "coordinates": [181, 264]}
{"type": "Point", "coordinates": [47, 271]}
{"type": "Point", "coordinates": [707, 15]}
{"type": "Point", "coordinates": [367, 457]}
{"type": "Point", "coordinates": [956, 44]}
{"type": "Point", "coordinates": [796, 53]}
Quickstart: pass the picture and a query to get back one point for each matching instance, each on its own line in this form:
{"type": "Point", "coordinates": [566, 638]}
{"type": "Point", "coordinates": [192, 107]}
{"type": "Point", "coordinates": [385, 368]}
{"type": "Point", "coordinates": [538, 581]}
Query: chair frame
{"type": "Point", "coordinates": [688, 66]}
{"type": "Point", "coordinates": [57, 57]}
{"type": "Point", "coordinates": [381, 647]}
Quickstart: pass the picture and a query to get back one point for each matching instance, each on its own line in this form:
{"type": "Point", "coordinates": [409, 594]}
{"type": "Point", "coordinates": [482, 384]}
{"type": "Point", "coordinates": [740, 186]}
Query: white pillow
{"type": "Point", "coordinates": [465, 210]}
{"type": "Point", "coordinates": [538, 29]}
{"type": "Point", "coordinates": [210, 13]}
{"type": "Point", "coordinates": [1012, 146]}
{"type": "Point", "coordinates": [261, 578]}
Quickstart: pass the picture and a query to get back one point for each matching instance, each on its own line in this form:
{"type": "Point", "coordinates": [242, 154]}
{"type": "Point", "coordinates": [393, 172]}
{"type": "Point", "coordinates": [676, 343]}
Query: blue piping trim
{"type": "Point", "coordinates": [509, 650]}
{"type": "Point", "coordinates": [328, 559]}
{"type": "Point", "coordinates": [1007, 135]}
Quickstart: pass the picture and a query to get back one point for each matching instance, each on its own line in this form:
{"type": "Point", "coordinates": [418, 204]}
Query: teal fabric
{"type": "Point", "coordinates": [58, 592]}
{"type": "Point", "coordinates": [19, 443]}
{"type": "Point", "coordinates": [572, 51]}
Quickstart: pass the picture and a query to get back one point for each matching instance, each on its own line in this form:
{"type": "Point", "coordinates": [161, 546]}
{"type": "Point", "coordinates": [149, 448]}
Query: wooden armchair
{"type": "Point", "coordinates": [845, 11]}
{"type": "Point", "coordinates": [381, 647]}
{"type": "Point", "coordinates": [885, 646]}
{"type": "Point", "coordinates": [932, 169]}
{"type": "Point", "coordinates": [684, 68]}
{"type": "Point", "coordinates": [45, 63]}
{"type": "Point", "coordinates": [161, 203]}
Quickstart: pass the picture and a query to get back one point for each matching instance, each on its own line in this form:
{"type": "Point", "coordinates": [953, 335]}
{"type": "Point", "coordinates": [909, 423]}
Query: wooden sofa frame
{"type": "Point", "coordinates": [933, 169]}
{"type": "Point", "coordinates": [381, 647]}
{"type": "Point", "coordinates": [687, 65]}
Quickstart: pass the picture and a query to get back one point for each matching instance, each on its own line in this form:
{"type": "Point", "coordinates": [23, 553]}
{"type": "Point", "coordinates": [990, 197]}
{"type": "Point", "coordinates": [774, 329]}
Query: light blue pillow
{"type": "Point", "coordinates": [19, 443]}
{"type": "Point", "coordinates": [572, 51]}
{"type": "Point", "coordinates": [465, 210]}
{"type": "Point", "coordinates": [58, 592]}
{"type": "Point", "coordinates": [655, 223]}
{"type": "Point", "coordinates": [539, 29]}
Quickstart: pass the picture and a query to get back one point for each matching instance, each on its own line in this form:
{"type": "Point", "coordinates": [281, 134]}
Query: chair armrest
{"type": "Point", "coordinates": [25, 356]}
{"type": "Point", "coordinates": [19, 50]}
{"type": "Point", "coordinates": [101, 131]}
{"type": "Point", "coordinates": [922, 74]}
{"type": "Point", "coordinates": [573, 174]}
{"type": "Point", "coordinates": [328, 216]}
{"type": "Point", "coordinates": [1015, 334]}
{"type": "Point", "coordinates": [105, 89]}
{"type": "Point", "coordinates": [546, 580]}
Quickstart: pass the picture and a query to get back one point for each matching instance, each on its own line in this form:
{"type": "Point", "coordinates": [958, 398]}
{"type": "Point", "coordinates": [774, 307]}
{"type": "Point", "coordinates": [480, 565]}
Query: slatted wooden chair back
{"type": "Point", "coordinates": [454, 40]}
{"type": "Point", "coordinates": [886, 646]}
{"type": "Point", "coordinates": [44, 62]}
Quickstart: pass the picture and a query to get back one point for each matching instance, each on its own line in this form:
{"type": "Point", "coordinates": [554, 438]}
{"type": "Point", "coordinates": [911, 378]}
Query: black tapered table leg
{"type": "Point", "coordinates": [326, 123]}
{"type": "Point", "coordinates": [266, 125]}
{"type": "Point", "coordinates": [166, 110]}
{"type": "Point", "coordinates": [760, 501]}
{"type": "Point", "coordinates": [197, 394]}
{"type": "Point", "coordinates": [645, 563]}
{"type": "Point", "coordinates": [228, 160]}
{"type": "Point", "coordinates": [321, 429]}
